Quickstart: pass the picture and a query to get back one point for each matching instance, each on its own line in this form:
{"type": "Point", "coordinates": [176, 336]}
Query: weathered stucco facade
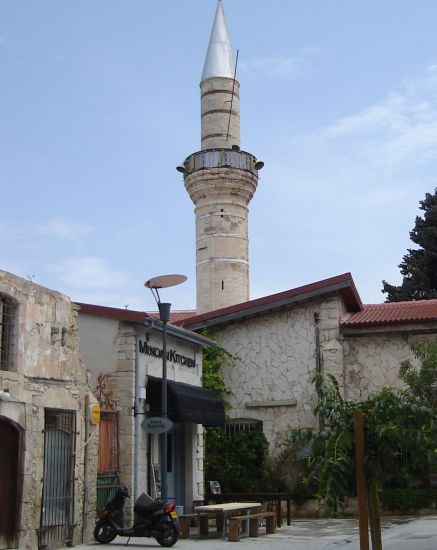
{"type": "Point", "coordinates": [117, 345]}
{"type": "Point", "coordinates": [43, 421]}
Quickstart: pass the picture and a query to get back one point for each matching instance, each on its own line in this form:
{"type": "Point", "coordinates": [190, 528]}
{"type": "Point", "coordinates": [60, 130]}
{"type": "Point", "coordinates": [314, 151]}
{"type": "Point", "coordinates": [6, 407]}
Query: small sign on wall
{"type": "Point", "coordinates": [95, 414]}
{"type": "Point", "coordinates": [156, 425]}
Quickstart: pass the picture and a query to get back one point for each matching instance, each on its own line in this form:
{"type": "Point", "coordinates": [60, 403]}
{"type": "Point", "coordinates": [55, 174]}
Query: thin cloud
{"type": "Point", "coordinates": [90, 273]}
{"type": "Point", "coordinates": [284, 68]}
{"type": "Point", "coordinates": [61, 229]}
{"type": "Point", "coordinates": [401, 129]}
{"type": "Point", "coordinates": [279, 67]}
{"type": "Point", "coordinates": [9, 232]}
{"type": "Point", "coordinates": [5, 41]}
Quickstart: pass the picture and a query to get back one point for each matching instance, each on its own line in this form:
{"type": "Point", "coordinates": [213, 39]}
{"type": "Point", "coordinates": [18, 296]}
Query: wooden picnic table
{"type": "Point", "coordinates": [277, 498]}
{"type": "Point", "coordinates": [222, 512]}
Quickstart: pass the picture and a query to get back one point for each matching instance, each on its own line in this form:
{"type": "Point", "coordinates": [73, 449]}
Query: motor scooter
{"type": "Point", "coordinates": [153, 518]}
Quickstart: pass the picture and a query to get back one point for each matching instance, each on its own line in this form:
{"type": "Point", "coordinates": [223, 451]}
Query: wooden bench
{"type": "Point", "coordinates": [186, 520]}
{"type": "Point", "coordinates": [235, 525]}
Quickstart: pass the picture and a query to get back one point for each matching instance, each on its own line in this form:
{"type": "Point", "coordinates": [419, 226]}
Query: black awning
{"type": "Point", "coordinates": [185, 403]}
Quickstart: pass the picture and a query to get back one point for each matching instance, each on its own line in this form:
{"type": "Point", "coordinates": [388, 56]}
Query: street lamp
{"type": "Point", "coordinates": [164, 281]}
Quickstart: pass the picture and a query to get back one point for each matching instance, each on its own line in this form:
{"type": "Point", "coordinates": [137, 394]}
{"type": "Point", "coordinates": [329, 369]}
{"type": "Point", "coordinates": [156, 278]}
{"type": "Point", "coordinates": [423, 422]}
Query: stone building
{"type": "Point", "coordinates": [48, 449]}
{"type": "Point", "coordinates": [123, 350]}
{"type": "Point", "coordinates": [280, 341]}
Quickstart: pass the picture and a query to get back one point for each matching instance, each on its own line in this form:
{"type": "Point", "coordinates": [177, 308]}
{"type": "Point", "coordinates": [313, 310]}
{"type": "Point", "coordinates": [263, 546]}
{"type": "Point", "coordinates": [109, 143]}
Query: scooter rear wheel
{"type": "Point", "coordinates": [169, 535]}
{"type": "Point", "coordinates": [104, 533]}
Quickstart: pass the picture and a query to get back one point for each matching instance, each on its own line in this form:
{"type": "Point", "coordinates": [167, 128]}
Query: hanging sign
{"type": "Point", "coordinates": [156, 425]}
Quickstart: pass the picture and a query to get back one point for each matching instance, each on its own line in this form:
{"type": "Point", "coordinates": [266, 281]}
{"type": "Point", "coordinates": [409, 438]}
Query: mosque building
{"type": "Point", "coordinates": [55, 353]}
{"type": "Point", "coordinates": [277, 342]}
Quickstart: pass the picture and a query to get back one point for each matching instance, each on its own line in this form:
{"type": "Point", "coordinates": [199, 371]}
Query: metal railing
{"type": "Point", "coordinates": [220, 158]}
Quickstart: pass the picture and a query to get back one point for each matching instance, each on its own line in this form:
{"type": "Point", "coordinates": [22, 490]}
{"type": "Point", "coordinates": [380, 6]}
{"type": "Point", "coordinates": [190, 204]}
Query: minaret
{"type": "Point", "coordinates": [221, 180]}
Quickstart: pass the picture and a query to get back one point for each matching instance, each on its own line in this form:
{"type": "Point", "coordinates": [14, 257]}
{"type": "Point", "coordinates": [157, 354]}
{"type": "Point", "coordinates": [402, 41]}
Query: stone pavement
{"type": "Point", "coordinates": [308, 534]}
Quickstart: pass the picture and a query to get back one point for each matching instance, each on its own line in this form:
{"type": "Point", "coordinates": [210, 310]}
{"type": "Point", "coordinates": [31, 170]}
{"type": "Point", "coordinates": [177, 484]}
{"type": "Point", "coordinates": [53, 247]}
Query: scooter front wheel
{"type": "Point", "coordinates": [169, 535]}
{"type": "Point", "coordinates": [104, 533]}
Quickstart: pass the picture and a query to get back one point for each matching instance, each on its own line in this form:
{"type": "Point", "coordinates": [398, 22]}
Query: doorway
{"type": "Point", "coordinates": [9, 482]}
{"type": "Point", "coordinates": [57, 506]}
{"type": "Point", "coordinates": [176, 464]}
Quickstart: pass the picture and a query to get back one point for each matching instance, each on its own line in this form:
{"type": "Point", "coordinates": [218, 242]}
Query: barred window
{"type": "Point", "coordinates": [7, 309]}
{"type": "Point", "coordinates": [233, 427]}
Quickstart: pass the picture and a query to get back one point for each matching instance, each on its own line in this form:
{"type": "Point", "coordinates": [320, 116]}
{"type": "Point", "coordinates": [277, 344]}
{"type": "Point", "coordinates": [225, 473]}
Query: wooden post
{"type": "Point", "coordinates": [375, 518]}
{"type": "Point", "coordinates": [361, 480]}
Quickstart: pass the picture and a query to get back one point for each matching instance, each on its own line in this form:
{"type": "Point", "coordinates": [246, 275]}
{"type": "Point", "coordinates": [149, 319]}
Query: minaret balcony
{"type": "Point", "coordinates": [220, 158]}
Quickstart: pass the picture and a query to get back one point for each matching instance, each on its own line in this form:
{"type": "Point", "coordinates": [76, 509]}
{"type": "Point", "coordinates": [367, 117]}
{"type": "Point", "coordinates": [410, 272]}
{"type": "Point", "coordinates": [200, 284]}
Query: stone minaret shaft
{"type": "Point", "coordinates": [221, 181]}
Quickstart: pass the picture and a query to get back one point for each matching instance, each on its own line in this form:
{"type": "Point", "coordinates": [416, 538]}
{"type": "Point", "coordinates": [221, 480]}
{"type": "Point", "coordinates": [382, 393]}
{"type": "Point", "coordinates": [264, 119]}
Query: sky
{"type": "Point", "coordinates": [99, 102]}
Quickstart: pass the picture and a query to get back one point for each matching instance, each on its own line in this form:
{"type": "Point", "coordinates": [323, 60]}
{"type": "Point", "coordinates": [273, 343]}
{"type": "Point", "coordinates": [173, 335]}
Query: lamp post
{"type": "Point", "coordinates": [156, 283]}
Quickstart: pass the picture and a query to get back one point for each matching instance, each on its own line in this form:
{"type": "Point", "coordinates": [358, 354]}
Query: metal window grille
{"type": "Point", "coordinates": [57, 506]}
{"type": "Point", "coordinates": [233, 428]}
{"type": "Point", "coordinates": [6, 312]}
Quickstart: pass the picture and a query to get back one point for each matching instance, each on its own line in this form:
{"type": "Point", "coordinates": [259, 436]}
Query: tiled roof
{"type": "Point", "coordinates": [129, 314]}
{"type": "Point", "coordinates": [391, 313]}
{"type": "Point", "coordinates": [176, 317]}
{"type": "Point", "coordinates": [342, 284]}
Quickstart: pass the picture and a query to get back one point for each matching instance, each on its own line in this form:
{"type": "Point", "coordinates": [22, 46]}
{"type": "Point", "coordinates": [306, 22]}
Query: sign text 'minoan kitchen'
{"type": "Point", "coordinates": [172, 355]}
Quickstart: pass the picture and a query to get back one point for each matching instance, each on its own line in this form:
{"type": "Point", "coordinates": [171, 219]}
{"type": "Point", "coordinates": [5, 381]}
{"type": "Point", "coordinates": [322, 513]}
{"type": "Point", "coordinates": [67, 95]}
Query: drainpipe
{"type": "Point", "coordinates": [85, 472]}
{"type": "Point", "coordinates": [321, 418]}
{"type": "Point", "coordinates": [137, 416]}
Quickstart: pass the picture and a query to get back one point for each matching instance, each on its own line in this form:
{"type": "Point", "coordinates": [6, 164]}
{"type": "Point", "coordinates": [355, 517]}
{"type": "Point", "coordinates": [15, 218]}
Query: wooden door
{"type": "Point", "coordinates": [9, 490]}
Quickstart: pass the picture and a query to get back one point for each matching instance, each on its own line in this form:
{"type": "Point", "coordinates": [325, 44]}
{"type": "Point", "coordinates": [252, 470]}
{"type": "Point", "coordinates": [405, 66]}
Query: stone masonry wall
{"type": "Point", "coordinates": [275, 358]}
{"type": "Point", "coordinates": [274, 361]}
{"type": "Point", "coordinates": [45, 372]}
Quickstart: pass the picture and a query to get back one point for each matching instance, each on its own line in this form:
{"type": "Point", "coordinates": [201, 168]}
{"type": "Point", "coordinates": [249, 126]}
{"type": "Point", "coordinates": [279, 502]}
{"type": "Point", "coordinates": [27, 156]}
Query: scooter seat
{"type": "Point", "coordinates": [142, 508]}
{"type": "Point", "coordinates": [145, 503]}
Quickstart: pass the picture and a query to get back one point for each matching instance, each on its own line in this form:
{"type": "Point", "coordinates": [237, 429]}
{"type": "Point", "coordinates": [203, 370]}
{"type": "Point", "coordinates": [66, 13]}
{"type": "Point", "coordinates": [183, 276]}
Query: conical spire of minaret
{"type": "Point", "coordinates": [219, 61]}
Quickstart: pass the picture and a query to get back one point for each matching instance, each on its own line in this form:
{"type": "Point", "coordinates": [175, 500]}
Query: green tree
{"type": "Point", "coordinates": [422, 380]}
{"type": "Point", "coordinates": [237, 461]}
{"type": "Point", "coordinates": [398, 441]}
{"type": "Point", "coordinates": [214, 359]}
{"type": "Point", "coordinates": [419, 266]}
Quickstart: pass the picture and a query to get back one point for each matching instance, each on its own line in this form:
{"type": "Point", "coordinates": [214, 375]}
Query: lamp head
{"type": "Point", "coordinates": [5, 395]}
{"type": "Point", "coordinates": [164, 281]}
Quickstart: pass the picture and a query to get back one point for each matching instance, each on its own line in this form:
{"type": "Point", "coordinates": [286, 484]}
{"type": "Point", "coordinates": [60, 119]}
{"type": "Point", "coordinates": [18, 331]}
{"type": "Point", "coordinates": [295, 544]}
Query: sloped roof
{"type": "Point", "coordinates": [392, 313]}
{"type": "Point", "coordinates": [139, 317]}
{"type": "Point", "coordinates": [343, 284]}
{"type": "Point", "coordinates": [130, 314]}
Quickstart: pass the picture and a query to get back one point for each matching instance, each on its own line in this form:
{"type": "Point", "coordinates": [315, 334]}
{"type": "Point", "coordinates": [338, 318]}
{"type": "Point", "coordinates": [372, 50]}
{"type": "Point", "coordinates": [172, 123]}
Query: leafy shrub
{"type": "Point", "coordinates": [236, 461]}
{"type": "Point", "coordinates": [408, 499]}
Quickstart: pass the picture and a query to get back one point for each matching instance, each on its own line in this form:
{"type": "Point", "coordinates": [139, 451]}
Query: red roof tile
{"type": "Point", "coordinates": [343, 284]}
{"type": "Point", "coordinates": [176, 316]}
{"type": "Point", "coordinates": [393, 313]}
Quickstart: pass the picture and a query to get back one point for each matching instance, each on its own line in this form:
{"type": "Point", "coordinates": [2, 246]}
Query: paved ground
{"type": "Point", "coordinates": [304, 534]}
